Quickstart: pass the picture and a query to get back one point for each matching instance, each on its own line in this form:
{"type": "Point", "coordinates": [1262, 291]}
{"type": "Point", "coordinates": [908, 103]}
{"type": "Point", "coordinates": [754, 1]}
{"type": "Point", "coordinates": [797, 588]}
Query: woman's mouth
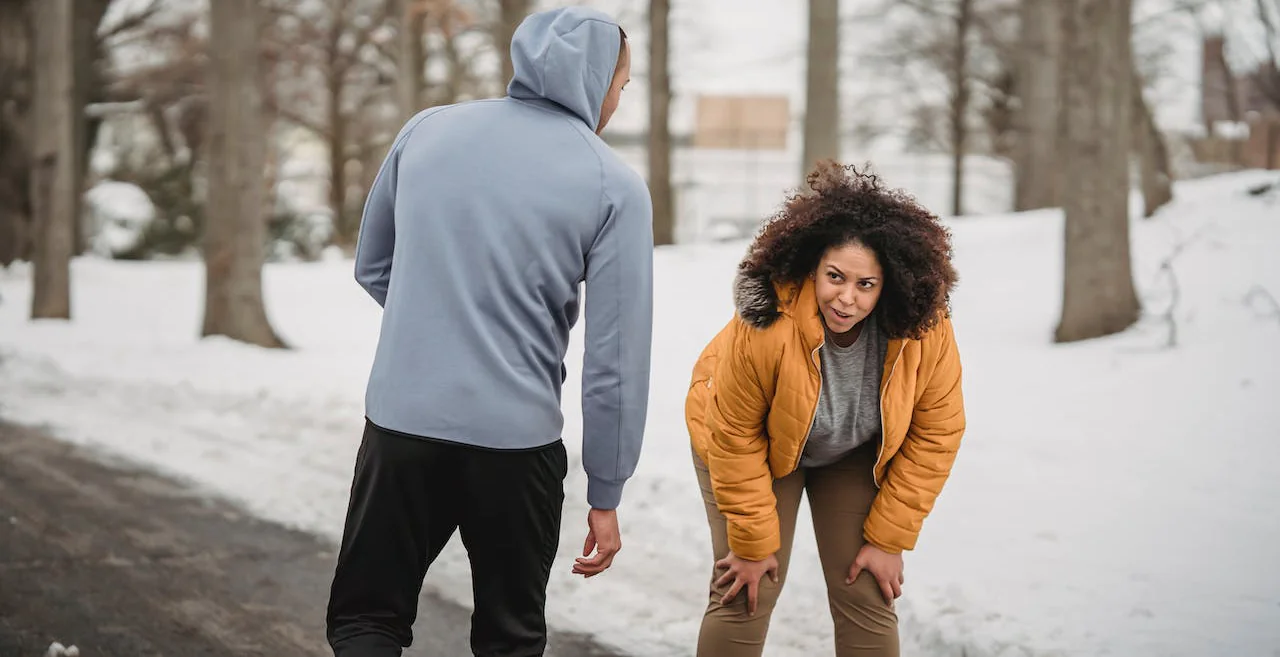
{"type": "Point", "coordinates": [841, 315]}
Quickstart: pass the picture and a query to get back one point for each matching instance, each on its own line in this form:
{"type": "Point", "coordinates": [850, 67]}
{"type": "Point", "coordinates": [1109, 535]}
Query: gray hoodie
{"type": "Point", "coordinates": [481, 225]}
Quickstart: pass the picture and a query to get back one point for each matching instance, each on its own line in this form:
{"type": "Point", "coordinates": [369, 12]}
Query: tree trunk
{"type": "Point", "coordinates": [54, 162]}
{"type": "Point", "coordinates": [511, 13]}
{"type": "Point", "coordinates": [15, 105]}
{"type": "Point", "coordinates": [822, 85]}
{"type": "Point", "coordinates": [344, 230]}
{"type": "Point", "coordinates": [1037, 158]}
{"type": "Point", "coordinates": [413, 58]}
{"type": "Point", "coordinates": [1098, 292]}
{"type": "Point", "coordinates": [960, 104]}
{"type": "Point", "coordinates": [664, 219]}
{"type": "Point", "coordinates": [88, 14]}
{"type": "Point", "coordinates": [235, 229]}
{"type": "Point", "coordinates": [1153, 156]}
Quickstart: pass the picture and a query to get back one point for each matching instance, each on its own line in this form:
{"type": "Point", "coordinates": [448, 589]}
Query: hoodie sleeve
{"type": "Point", "coordinates": [619, 318]}
{"type": "Point", "coordinates": [377, 239]}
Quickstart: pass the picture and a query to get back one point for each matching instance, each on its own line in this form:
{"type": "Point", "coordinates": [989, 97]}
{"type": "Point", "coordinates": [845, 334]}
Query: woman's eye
{"type": "Point", "coordinates": [833, 276]}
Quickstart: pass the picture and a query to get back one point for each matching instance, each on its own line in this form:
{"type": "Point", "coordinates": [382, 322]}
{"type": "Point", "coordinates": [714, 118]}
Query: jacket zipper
{"type": "Point", "coordinates": [813, 417]}
{"type": "Point", "coordinates": [880, 451]}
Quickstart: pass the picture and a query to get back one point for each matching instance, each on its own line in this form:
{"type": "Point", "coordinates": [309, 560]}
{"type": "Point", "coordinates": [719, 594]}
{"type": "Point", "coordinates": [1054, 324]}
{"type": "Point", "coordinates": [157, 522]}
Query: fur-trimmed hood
{"type": "Point", "coordinates": [760, 303]}
{"type": "Point", "coordinates": [756, 299]}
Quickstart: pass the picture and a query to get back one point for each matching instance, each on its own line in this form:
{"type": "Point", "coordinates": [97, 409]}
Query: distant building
{"type": "Point", "coordinates": [1233, 98]}
{"type": "Point", "coordinates": [1216, 77]}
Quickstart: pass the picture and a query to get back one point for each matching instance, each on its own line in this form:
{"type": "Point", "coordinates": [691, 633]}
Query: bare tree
{"type": "Point", "coordinates": [169, 89]}
{"type": "Point", "coordinates": [55, 172]}
{"type": "Point", "coordinates": [664, 220]}
{"type": "Point", "coordinates": [15, 105]}
{"type": "Point", "coordinates": [510, 14]}
{"type": "Point", "coordinates": [1098, 290]}
{"type": "Point", "coordinates": [86, 52]}
{"type": "Point", "coordinates": [1153, 155]}
{"type": "Point", "coordinates": [335, 78]}
{"type": "Point", "coordinates": [1037, 158]}
{"type": "Point", "coordinates": [87, 49]}
{"type": "Point", "coordinates": [1266, 77]}
{"type": "Point", "coordinates": [822, 85]}
{"type": "Point", "coordinates": [412, 61]}
{"type": "Point", "coordinates": [953, 62]}
{"type": "Point", "coordinates": [960, 103]}
{"type": "Point", "coordinates": [235, 231]}
{"type": "Point", "coordinates": [454, 25]}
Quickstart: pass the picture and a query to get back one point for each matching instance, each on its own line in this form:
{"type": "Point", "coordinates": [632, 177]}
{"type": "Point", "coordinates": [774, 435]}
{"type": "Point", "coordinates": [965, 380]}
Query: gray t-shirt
{"type": "Point", "coordinates": [849, 403]}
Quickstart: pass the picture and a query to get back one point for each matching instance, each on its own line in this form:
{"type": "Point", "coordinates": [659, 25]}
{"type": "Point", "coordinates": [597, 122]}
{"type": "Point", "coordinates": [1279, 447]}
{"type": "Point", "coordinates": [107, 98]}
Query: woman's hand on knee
{"type": "Point", "coordinates": [745, 573]}
{"type": "Point", "coordinates": [884, 566]}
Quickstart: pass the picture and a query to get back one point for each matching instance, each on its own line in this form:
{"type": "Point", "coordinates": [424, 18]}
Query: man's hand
{"type": "Point", "coordinates": [885, 567]}
{"type": "Point", "coordinates": [604, 537]}
{"type": "Point", "coordinates": [746, 573]}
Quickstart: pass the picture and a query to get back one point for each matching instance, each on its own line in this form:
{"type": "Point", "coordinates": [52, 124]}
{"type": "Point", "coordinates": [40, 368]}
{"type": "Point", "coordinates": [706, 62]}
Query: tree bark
{"type": "Point", "coordinates": [86, 85]}
{"type": "Point", "coordinates": [960, 104]}
{"type": "Point", "coordinates": [54, 161]}
{"type": "Point", "coordinates": [1037, 158]}
{"type": "Point", "coordinates": [822, 85]}
{"type": "Point", "coordinates": [235, 230]}
{"type": "Point", "coordinates": [413, 58]}
{"type": "Point", "coordinates": [1098, 292]}
{"type": "Point", "coordinates": [1153, 156]}
{"type": "Point", "coordinates": [664, 216]}
{"type": "Point", "coordinates": [344, 230]}
{"type": "Point", "coordinates": [510, 14]}
{"type": "Point", "coordinates": [15, 129]}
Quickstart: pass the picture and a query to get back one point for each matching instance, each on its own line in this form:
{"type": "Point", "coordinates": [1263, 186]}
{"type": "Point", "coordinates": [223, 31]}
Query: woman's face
{"type": "Point", "coordinates": [848, 282]}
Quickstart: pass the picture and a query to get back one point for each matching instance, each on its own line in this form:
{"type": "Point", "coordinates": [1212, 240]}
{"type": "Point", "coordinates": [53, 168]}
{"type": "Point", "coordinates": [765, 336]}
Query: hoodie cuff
{"type": "Point", "coordinates": [604, 494]}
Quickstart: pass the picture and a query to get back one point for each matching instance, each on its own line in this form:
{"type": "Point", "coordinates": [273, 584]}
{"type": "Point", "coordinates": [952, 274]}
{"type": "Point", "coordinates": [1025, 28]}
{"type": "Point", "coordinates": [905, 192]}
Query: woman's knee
{"type": "Point", "coordinates": [736, 608]}
{"type": "Point", "coordinates": [861, 607]}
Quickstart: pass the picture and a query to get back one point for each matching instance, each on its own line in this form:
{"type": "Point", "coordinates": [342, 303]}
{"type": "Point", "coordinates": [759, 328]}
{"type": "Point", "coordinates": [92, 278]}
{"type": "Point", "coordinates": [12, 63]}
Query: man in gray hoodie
{"type": "Point", "coordinates": [481, 225]}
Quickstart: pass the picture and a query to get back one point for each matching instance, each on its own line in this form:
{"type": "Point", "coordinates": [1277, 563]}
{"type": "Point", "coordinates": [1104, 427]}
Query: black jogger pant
{"type": "Point", "coordinates": [408, 496]}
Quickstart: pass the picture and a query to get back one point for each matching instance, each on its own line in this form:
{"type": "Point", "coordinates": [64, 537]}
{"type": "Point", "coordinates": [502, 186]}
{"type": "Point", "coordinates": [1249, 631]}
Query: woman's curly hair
{"type": "Point", "coordinates": [846, 205]}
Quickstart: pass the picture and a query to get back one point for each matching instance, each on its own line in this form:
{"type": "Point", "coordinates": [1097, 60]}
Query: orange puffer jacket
{"type": "Point", "coordinates": [754, 394]}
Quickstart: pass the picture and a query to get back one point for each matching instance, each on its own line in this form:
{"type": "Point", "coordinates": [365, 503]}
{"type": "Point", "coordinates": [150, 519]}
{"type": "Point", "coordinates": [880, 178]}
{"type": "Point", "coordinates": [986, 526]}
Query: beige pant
{"type": "Point", "coordinates": [840, 497]}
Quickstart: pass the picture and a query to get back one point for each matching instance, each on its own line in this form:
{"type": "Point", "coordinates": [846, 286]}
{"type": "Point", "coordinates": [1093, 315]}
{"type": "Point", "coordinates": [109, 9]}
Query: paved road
{"type": "Point", "coordinates": [125, 563]}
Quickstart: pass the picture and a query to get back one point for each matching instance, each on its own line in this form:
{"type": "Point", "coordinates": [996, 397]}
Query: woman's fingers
{"type": "Point", "coordinates": [733, 591]}
{"type": "Point", "coordinates": [886, 589]}
{"type": "Point", "coordinates": [854, 571]}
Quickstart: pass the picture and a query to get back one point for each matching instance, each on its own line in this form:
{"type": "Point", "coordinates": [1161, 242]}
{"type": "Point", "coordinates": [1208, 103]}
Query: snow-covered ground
{"type": "Point", "coordinates": [1112, 498]}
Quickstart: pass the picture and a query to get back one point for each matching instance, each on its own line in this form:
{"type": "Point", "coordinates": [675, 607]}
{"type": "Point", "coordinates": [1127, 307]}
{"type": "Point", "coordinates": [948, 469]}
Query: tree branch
{"type": "Point", "coordinates": [289, 115]}
{"type": "Point", "coordinates": [129, 21]}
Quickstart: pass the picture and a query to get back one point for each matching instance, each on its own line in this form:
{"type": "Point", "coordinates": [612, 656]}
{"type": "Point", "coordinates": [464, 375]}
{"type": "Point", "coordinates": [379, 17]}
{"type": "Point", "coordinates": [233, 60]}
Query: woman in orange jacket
{"type": "Point", "coordinates": [839, 378]}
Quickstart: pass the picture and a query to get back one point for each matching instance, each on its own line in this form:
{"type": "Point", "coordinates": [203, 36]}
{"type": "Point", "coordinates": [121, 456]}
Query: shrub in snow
{"type": "Point", "coordinates": [58, 650]}
{"type": "Point", "coordinates": [298, 236]}
{"type": "Point", "coordinates": [118, 215]}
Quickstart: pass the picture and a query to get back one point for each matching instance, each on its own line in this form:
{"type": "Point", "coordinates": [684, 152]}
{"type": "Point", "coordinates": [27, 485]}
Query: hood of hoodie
{"type": "Point", "coordinates": [567, 56]}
